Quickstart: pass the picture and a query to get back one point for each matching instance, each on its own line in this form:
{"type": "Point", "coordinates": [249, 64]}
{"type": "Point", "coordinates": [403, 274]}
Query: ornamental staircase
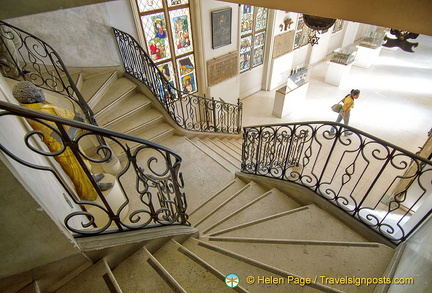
{"type": "Point", "coordinates": [255, 232]}
{"type": "Point", "coordinates": [244, 224]}
{"type": "Point", "coordinates": [254, 227]}
{"type": "Point", "coordinates": [265, 231]}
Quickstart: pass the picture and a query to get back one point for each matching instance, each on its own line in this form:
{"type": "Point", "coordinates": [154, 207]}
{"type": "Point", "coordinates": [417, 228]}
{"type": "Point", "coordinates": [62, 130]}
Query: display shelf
{"type": "Point", "coordinates": [344, 56]}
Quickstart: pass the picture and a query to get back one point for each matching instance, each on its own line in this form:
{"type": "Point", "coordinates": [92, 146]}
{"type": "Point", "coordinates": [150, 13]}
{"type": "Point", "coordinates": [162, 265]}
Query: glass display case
{"type": "Point", "coordinates": [373, 40]}
{"type": "Point", "coordinates": [344, 56]}
{"type": "Point", "coordinates": [298, 77]}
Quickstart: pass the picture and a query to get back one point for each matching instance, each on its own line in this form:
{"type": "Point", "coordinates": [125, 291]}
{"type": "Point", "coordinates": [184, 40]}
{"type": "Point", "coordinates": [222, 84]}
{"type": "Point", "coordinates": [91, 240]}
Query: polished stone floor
{"type": "Point", "coordinates": [395, 102]}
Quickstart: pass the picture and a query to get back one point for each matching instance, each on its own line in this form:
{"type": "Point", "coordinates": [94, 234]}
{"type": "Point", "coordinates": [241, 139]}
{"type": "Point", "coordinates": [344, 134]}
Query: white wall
{"type": "Point", "coordinates": [82, 36]}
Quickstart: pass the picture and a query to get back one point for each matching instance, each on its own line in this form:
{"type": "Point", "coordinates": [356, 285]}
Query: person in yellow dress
{"type": "Point", "coordinates": [31, 97]}
{"type": "Point", "coordinates": [344, 113]}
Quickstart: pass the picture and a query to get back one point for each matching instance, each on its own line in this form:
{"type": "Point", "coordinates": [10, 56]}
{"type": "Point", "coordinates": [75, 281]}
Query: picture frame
{"type": "Point", "coordinates": [222, 68]}
{"type": "Point", "coordinates": [221, 27]}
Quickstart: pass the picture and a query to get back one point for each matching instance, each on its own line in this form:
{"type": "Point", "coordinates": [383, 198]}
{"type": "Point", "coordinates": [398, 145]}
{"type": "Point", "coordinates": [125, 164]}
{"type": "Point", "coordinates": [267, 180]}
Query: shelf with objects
{"type": "Point", "coordinates": [369, 49]}
{"type": "Point", "coordinates": [288, 96]}
{"type": "Point", "coordinates": [340, 65]}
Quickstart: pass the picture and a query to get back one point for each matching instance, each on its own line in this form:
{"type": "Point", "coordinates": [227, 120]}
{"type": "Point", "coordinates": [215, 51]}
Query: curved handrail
{"type": "Point", "coordinates": [189, 111]}
{"type": "Point", "coordinates": [152, 169]}
{"type": "Point", "coordinates": [24, 56]}
{"type": "Point", "coordinates": [378, 183]}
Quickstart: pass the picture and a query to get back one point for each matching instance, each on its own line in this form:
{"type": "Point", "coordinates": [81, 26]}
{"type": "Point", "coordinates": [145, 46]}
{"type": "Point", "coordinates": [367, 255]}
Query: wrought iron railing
{"type": "Point", "coordinates": [24, 56]}
{"type": "Point", "coordinates": [189, 111]}
{"type": "Point", "coordinates": [147, 189]}
{"type": "Point", "coordinates": [384, 186]}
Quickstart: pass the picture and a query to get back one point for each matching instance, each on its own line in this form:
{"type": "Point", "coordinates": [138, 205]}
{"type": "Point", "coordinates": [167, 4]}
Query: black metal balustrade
{"type": "Point", "coordinates": [189, 111]}
{"type": "Point", "coordinates": [149, 183]}
{"type": "Point", "coordinates": [385, 187]}
{"type": "Point", "coordinates": [26, 57]}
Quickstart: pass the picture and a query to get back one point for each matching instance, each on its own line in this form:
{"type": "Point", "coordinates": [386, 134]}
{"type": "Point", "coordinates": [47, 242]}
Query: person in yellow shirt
{"type": "Point", "coordinates": [344, 113]}
{"type": "Point", "coordinates": [31, 97]}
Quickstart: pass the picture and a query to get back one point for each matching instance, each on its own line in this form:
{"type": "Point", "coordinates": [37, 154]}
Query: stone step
{"type": "Point", "coordinates": [224, 150]}
{"type": "Point", "coordinates": [155, 134]}
{"type": "Point", "coordinates": [94, 86]}
{"type": "Point", "coordinates": [234, 145]}
{"type": "Point", "coordinates": [316, 259]}
{"type": "Point", "coordinates": [141, 119]}
{"type": "Point", "coordinates": [303, 223]}
{"type": "Point", "coordinates": [98, 279]}
{"type": "Point", "coordinates": [269, 203]}
{"type": "Point", "coordinates": [229, 206]}
{"type": "Point", "coordinates": [129, 105]}
{"type": "Point", "coordinates": [139, 273]}
{"type": "Point", "coordinates": [193, 274]}
{"type": "Point", "coordinates": [224, 194]}
{"type": "Point", "coordinates": [121, 88]}
{"type": "Point", "coordinates": [229, 262]}
{"type": "Point", "coordinates": [200, 172]}
{"type": "Point", "coordinates": [33, 287]}
{"type": "Point", "coordinates": [218, 158]}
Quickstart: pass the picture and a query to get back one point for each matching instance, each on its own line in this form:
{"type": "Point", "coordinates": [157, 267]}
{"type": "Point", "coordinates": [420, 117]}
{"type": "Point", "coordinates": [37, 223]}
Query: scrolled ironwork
{"type": "Point", "coordinates": [24, 56]}
{"type": "Point", "coordinates": [149, 180]}
{"type": "Point", "coordinates": [381, 185]}
{"type": "Point", "coordinates": [188, 111]}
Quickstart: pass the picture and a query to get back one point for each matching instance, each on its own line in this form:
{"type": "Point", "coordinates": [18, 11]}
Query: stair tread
{"type": "Point", "coordinates": [200, 172]}
{"type": "Point", "coordinates": [224, 149]}
{"type": "Point", "coordinates": [320, 226]}
{"type": "Point", "coordinates": [227, 264]}
{"type": "Point", "coordinates": [216, 156]}
{"type": "Point", "coordinates": [187, 272]}
{"type": "Point", "coordinates": [90, 86]}
{"type": "Point", "coordinates": [274, 201]}
{"type": "Point", "coordinates": [219, 197]}
{"type": "Point", "coordinates": [250, 193]}
{"type": "Point", "coordinates": [129, 104]}
{"type": "Point", "coordinates": [140, 118]}
{"type": "Point", "coordinates": [317, 260]}
{"type": "Point", "coordinates": [91, 280]}
{"type": "Point", "coordinates": [135, 274]}
{"type": "Point", "coordinates": [154, 134]}
{"type": "Point", "coordinates": [120, 88]}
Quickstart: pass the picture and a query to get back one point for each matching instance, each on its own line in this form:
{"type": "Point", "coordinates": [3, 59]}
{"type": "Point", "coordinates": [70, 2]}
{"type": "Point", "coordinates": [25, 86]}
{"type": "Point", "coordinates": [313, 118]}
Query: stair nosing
{"type": "Point", "coordinates": [212, 148]}
{"type": "Point", "coordinates": [118, 118]}
{"type": "Point", "coordinates": [159, 268]}
{"type": "Point", "coordinates": [115, 101]}
{"type": "Point", "coordinates": [205, 265]}
{"type": "Point", "coordinates": [264, 266]}
{"type": "Point", "coordinates": [238, 210]}
{"type": "Point", "coordinates": [295, 241]}
{"type": "Point", "coordinates": [211, 157]}
{"type": "Point", "coordinates": [223, 204]}
{"type": "Point", "coordinates": [231, 146]}
{"type": "Point", "coordinates": [95, 98]}
{"type": "Point", "coordinates": [213, 197]}
{"type": "Point", "coordinates": [232, 156]}
{"type": "Point", "coordinates": [296, 210]}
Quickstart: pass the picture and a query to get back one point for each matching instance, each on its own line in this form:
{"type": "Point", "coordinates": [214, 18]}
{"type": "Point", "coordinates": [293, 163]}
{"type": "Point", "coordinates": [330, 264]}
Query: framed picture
{"type": "Point", "coordinates": [222, 68]}
{"type": "Point", "coordinates": [221, 27]}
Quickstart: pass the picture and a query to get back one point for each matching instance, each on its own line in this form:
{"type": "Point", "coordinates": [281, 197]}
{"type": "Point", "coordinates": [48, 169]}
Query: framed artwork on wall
{"type": "Point", "coordinates": [222, 68]}
{"type": "Point", "coordinates": [221, 27]}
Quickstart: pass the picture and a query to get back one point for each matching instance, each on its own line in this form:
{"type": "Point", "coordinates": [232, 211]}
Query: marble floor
{"type": "Point", "coordinates": [395, 102]}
